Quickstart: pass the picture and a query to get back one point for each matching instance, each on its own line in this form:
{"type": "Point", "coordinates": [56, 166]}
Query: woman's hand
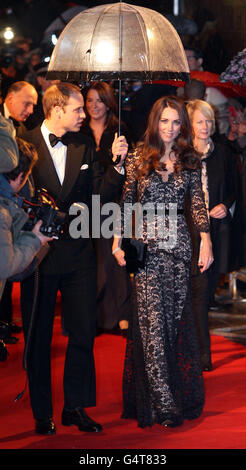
{"type": "Point", "coordinates": [206, 253]}
{"type": "Point", "coordinates": [117, 252]}
{"type": "Point", "coordinates": [120, 257]}
{"type": "Point", "coordinates": [119, 147]}
{"type": "Point", "coordinates": [218, 212]}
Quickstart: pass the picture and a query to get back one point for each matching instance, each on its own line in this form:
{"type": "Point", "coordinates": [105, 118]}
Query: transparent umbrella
{"type": "Point", "coordinates": [118, 41]}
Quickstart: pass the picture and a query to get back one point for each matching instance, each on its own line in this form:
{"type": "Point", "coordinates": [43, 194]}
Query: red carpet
{"type": "Point", "coordinates": [221, 426]}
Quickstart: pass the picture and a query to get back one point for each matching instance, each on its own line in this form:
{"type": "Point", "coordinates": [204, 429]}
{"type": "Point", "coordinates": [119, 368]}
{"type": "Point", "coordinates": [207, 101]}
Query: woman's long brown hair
{"type": "Point", "coordinates": [153, 148]}
{"type": "Point", "coordinates": [106, 95]}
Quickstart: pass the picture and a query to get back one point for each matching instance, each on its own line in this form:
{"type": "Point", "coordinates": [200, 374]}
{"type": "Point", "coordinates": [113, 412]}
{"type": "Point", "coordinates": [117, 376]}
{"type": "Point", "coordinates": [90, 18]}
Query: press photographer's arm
{"type": "Point", "coordinates": [17, 252]}
{"type": "Point", "coordinates": [17, 246]}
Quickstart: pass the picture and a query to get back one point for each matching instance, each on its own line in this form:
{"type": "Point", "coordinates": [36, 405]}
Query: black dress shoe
{"type": "Point", "coordinates": [80, 418]}
{"type": "Point", "coordinates": [206, 362]}
{"type": "Point", "coordinates": [4, 330]}
{"type": "Point", "coordinates": [45, 426]}
{"type": "Point", "coordinates": [14, 328]}
{"type": "Point", "coordinates": [11, 340]}
{"type": "Point", "coordinates": [172, 422]}
{"type": "Point", "coordinates": [207, 367]}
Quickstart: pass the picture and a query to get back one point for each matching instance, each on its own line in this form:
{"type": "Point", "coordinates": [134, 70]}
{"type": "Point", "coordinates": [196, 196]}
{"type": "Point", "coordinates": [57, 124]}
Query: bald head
{"type": "Point", "coordinates": [20, 100]}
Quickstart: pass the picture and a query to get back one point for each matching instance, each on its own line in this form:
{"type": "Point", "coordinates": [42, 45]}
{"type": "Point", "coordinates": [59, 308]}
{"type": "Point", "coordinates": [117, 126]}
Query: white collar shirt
{"type": "Point", "coordinates": [58, 153]}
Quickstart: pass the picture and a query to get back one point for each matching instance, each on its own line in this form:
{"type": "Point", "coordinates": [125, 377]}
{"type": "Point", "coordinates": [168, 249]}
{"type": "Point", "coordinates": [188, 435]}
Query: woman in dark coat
{"type": "Point", "coordinates": [219, 188]}
{"type": "Point", "coordinates": [114, 286]}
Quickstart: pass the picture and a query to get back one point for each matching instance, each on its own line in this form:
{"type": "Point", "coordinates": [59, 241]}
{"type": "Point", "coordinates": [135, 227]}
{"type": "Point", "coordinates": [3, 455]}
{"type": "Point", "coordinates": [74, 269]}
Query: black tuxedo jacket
{"type": "Point", "coordinates": [83, 177]}
{"type": "Point", "coordinates": [222, 188]}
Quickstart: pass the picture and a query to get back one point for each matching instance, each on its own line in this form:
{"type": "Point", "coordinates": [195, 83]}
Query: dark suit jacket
{"type": "Point", "coordinates": [222, 188]}
{"type": "Point", "coordinates": [27, 191]}
{"type": "Point", "coordinates": [104, 152]}
{"type": "Point", "coordinates": [19, 126]}
{"type": "Point", "coordinates": [67, 254]}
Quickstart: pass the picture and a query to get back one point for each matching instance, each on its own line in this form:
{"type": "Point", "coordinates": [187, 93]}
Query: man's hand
{"type": "Point", "coordinates": [218, 212]}
{"type": "Point", "coordinates": [36, 229]}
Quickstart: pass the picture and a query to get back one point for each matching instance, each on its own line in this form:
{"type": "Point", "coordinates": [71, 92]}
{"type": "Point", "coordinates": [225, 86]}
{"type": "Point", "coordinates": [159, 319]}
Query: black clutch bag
{"type": "Point", "coordinates": [135, 254]}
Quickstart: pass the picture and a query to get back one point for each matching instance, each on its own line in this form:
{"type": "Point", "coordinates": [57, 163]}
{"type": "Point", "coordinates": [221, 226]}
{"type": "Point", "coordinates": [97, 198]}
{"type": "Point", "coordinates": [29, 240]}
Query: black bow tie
{"type": "Point", "coordinates": [54, 139]}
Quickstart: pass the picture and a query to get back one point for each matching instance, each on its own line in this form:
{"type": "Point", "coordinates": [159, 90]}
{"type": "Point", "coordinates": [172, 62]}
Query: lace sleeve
{"type": "Point", "coordinates": [198, 209]}
{"type": "Point", "coordinates": [130, 187]}
{"type": "Point", "coordinates": [129, 195]}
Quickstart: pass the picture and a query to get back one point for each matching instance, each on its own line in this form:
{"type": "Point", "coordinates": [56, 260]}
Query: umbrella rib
{"type": "Point", "coordinates": [98, 20]}
{"type": "Point", "coordinates": [145, 36]}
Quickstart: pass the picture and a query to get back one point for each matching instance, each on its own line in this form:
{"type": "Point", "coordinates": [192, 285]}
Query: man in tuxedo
{"type": "Point", "coordinates": [17, 106]}
{"type": "Point", "coordinates": [68, 170]}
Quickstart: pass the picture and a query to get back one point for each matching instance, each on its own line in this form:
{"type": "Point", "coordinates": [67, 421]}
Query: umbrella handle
{"type": "Point", "coordinates": [117, 161]}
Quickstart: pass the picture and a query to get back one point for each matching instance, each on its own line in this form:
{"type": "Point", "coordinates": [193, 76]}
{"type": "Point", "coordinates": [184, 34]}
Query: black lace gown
{"type": "Point", "coordinates": [162, 379]}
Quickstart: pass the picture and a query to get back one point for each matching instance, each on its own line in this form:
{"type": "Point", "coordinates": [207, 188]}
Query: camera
{"type": "Point", "coordinates": [43, 207]}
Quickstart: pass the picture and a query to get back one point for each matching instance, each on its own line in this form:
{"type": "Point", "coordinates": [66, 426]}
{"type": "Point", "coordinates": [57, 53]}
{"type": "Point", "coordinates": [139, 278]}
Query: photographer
{"type": "Point", "coordinates": [17, 106]}
{"type": "Point", "coordinates": [18, 247]}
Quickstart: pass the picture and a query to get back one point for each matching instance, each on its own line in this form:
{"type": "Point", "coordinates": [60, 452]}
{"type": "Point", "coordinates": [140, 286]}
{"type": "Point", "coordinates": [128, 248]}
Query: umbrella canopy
{"type": "Point", "coordinates": [118, 41]}
{"type": "Point", "coordinates": [236, 70]}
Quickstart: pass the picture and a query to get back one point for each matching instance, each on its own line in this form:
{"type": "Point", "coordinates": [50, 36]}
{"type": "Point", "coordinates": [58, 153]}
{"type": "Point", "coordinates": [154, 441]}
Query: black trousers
{"type": "Point", "coordinates": [78, 295]}
{"type": "Point", "coordinates": [200, 303]}
{"type": "Point", "coordinates": [6, 308]}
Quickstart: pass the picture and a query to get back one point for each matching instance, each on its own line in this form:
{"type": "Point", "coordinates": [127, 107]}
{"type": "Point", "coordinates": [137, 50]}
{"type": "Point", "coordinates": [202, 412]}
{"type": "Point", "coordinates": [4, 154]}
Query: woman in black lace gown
{"type": "Point", "coordinates": [162, 381]}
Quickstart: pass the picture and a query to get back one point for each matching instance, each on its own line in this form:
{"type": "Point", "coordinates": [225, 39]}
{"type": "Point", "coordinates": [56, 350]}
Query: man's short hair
{"type": "Point", "coordinates": [194, 89]}
{"type": "Point", "coordinates": [58, 95]}
{"type": "Point", "coordinates": [27, 159]}
{"type": "Point", "coordinates": [18, 86]}
{"type": "Point", "coordinates": [197, 52]}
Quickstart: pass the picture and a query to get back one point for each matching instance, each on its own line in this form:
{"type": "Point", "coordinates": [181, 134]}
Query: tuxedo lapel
{"type": "Point", "coordinates": [45, 165]}
{"type": "Point", "coordinates": [75, 154]}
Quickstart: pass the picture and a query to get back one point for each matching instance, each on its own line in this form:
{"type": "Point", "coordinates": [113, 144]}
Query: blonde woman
{"type": "Point", "coordinates": [219, 189]}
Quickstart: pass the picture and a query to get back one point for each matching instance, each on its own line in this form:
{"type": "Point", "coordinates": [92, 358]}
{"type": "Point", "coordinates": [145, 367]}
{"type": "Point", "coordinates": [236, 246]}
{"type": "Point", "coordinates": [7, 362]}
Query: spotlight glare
{"type": "Point", "coordinates": [8, 34]}
{"type": "Point", "coordinates": [54, 39]}
{"type": "Point", "coordinates": [105, 52]}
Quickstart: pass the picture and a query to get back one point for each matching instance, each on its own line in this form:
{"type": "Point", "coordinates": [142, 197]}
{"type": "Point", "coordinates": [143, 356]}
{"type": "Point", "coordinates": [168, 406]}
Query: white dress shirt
{"type": "Point", "coordinates": [208, 150]}
{"type": "Point", "coordinates": [58, 153]}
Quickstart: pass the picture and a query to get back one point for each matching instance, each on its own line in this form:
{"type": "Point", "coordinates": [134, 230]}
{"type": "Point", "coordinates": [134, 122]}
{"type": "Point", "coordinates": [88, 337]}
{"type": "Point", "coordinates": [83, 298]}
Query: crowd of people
{"type": "Point", "coordinates": [176, 147]}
